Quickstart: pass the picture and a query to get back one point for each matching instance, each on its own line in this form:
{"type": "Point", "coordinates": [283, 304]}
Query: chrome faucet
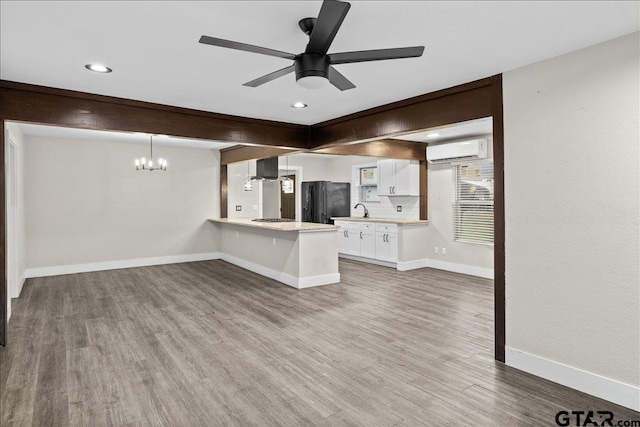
{"type": "Point", "coordinates": [366, 211]}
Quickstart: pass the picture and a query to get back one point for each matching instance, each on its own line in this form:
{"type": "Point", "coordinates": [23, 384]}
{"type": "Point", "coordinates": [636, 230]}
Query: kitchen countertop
{"type": "Point", "coordinates": [278, 226]}
{"type": "Point", "coordinates": [383, 220]}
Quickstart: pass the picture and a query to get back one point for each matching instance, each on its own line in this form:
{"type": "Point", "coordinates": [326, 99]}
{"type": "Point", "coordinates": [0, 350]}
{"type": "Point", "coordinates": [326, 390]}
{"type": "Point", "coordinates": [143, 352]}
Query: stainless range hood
{"type": "Point", "coordinates": [266, 169]}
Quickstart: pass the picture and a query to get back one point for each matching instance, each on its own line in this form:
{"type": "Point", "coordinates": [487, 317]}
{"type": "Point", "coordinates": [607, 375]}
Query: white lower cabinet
{"type": "Point", "coordinates": [367, 244]}
{"type": "Point", "coordinates": [368, 240]}
{"type": "Point", "coordinates": [387, 246]}
{"type": "Point", "coordinates": [348, 238]}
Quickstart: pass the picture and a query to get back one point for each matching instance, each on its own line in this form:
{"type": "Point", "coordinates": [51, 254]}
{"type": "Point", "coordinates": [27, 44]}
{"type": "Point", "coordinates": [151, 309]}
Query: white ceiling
{"type": "Point", "coordinates": [153, 48]}
{"type": "Point", "coordinates": [29, 129]}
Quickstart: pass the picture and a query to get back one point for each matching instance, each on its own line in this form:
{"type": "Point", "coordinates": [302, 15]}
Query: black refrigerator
{"type": "Point", "coordinates": [322, 200]}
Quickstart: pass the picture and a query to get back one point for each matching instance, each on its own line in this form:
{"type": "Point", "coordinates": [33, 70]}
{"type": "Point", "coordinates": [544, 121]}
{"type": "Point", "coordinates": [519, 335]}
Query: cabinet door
{"type": "Point", "coordinates": [353, 242]}
{"type": "Point", "coordinates": [407, 178]}
{"type": "Point", "coordinates": [367, 244]}
{"type": "Point", "coordinates": [343, 241]}
{"type": "Point", "coordinates": [392, 247]}
{"type": "Point", "coordinates": [386, 179]}
{"type": "Point", "coordinates": [382, 247]}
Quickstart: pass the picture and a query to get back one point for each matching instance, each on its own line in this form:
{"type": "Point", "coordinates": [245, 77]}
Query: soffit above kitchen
{"type": "Point", "coordinates": [153, 48]}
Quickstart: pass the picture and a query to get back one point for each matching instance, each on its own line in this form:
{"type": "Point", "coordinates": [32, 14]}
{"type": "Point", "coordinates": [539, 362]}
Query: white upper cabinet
{"type": "Point", "coordinates": [398, 177]}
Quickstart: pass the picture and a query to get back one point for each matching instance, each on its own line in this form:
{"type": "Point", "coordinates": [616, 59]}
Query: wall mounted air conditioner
{"type": "Point", "coordinates": [473, 149]}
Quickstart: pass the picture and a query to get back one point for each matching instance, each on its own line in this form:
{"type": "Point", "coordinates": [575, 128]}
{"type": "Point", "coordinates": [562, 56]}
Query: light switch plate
{"type": "Point", "coordinates": [399, 208]}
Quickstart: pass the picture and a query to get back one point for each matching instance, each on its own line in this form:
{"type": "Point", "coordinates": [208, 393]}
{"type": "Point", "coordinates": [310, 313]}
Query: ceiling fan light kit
{"type": "Point", "coordinates": [314, 67]}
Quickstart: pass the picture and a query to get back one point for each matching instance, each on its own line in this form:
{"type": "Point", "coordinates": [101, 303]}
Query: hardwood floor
{"type": "Point", "coordinates": [208, 343]}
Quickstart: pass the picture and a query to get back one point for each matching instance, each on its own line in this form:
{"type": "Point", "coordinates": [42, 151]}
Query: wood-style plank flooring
{"type": "Point", "coordinates": [208, 343]}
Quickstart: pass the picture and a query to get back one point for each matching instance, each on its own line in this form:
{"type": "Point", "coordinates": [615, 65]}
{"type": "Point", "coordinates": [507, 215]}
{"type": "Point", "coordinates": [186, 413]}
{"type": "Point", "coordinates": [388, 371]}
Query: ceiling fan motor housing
{"type": "Point", "coordinates": [312, 64]}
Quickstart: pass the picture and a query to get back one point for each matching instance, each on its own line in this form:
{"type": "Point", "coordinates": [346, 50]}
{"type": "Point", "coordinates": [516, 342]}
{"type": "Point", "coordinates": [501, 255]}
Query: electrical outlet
{"type": "Point", "coordinates": [444, 251]}
{"type": "Point", "coordinates": [274, 241]}
{"type": "Point", "coordinates": [238, 208]}
{"type": "Point", "coordinates": [399, 208]}
{"type": "Point", "coordinates": [255, 207]}
{"type": "Point", "coordinates": [237, 234]}
{"type": "Point", "coordinates": [435, 249]}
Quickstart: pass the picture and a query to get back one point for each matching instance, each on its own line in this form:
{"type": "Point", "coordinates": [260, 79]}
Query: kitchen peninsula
{"type": "Point", "coordinates": [298, 254]}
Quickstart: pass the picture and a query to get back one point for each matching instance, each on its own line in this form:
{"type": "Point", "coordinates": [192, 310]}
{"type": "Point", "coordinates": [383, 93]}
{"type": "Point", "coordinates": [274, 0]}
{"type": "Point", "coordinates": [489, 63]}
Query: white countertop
{"type": "Point", "coordinates": [382, 220]}
{"type": "Point", "coordinates": [278, 226]}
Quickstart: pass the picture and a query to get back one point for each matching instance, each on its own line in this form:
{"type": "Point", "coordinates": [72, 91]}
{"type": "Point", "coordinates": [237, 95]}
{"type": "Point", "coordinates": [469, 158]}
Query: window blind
{"type": "Point", "coordinates": [473, 202]}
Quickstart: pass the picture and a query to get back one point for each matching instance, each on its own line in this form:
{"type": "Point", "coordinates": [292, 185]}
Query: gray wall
{"type": "Point", "coordinates": [572, 209]}
{"type": "Point", "coordinates": [86, 203]}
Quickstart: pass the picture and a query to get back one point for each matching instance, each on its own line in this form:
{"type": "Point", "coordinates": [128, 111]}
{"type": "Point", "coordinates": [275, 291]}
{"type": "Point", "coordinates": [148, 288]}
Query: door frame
{"type": "Point", "coordinates": [12, 244]}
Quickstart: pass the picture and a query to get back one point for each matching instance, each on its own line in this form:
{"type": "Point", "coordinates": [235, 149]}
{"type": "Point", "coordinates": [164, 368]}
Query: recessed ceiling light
{"type": "Point", "coordinates": [299, 105]}
{"type": "Point", "coordinates": [98, 68]}
{"type": "Point", "coordinates": [433, 135]}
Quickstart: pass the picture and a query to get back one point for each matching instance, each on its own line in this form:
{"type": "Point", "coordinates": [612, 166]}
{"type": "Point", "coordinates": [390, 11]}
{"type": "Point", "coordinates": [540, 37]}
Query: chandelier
{"type": "Point", "coordinates": [143, 165]}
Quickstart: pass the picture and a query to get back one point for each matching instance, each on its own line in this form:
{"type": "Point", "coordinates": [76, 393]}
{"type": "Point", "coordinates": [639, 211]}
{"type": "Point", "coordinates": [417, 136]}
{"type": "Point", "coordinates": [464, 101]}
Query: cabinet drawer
{"type": "Point", "coordinates": [387, 228]}
{"type": "Point", "coordinates": [365, 226]}
{"type": "Point", "coordinates": [350, 225]}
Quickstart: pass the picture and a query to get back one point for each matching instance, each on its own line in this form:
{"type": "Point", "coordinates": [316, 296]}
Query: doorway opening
{"type": "Point", "coordinates": [288, 199]}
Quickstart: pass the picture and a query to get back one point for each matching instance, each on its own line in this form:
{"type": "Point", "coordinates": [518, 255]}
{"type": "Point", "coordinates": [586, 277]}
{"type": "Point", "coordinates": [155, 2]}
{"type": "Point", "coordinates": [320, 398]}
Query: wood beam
{"type": "Point", "coordinates": [457, 104]}
{"type": "Point", "coordinates": [499, 252]}
{"type": "Point", "coordinates": [224, 190]}
{"type": "Point", "coordinates": [59, 107]}
{"type": "Point", "coordinates": [389, 148]}
{"type": "Point", "coordinates": [424, 190]}
{"type": "Point", "coordinates": [241, 153]}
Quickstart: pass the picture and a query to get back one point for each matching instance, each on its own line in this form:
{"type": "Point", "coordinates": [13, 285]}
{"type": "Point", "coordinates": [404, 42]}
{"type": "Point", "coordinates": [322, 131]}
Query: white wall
{"type": "Point", "coordinates": [440, 213]}
{"type": "Point", "coordinates": [249, 201]}
{"type": "Point", "coordinates": [271, 199]}
{"type": "Point", "coordinates": [572, 210]}
{"type": "Point", "coordinates": [86, 203]}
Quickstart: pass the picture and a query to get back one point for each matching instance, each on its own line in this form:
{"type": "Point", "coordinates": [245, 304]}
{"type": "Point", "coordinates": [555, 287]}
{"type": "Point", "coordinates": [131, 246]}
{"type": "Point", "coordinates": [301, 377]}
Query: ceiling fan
{"type": "Point", "coordinates": [314, 66]}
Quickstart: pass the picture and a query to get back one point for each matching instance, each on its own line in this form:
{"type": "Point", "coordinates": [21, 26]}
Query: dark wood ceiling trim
{"type": "Point", "coordinates": [241, 153]}
{"type": "Point", "coordinates": [389, 148]}
{"type": "Point", "coordinates": [461, 103]}
{"type": "Point", "coordinates": [499, 251]}
{"type": "Point", "coordinates": [60, 107]}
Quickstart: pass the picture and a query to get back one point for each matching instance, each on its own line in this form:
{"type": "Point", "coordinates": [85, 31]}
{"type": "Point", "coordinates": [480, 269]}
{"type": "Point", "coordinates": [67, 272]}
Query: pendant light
{"type": "Point", "coordinates": [248, 184]}
{"type": "Point", "coordinates": [287, 183]}
{"type": "Point", "coordinates": [143, 165]}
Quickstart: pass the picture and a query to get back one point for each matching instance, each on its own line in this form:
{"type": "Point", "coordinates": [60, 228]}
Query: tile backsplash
{"type": "Point", "coordinates": [387, 207]}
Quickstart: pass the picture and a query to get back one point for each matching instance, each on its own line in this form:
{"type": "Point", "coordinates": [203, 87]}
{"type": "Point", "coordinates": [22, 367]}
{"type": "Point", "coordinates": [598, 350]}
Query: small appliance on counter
{"type": "Point", "coordinates": [322, 200]}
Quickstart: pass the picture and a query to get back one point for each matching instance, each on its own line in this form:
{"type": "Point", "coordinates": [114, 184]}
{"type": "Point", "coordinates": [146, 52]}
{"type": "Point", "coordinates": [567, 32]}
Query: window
{"type": "Point", "coordinates": [473, 203]}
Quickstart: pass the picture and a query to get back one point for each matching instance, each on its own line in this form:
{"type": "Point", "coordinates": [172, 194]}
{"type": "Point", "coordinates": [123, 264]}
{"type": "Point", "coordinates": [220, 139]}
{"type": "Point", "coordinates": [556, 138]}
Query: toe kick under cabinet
{"type": "Point", "coordinates": [399, 245]}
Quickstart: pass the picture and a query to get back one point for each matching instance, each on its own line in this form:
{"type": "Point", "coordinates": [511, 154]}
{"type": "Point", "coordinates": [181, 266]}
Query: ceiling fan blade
{"type": "Point", "coordinates": [245, 47]}
{"type": "Point", "coordinates": [376, 55]}
{"type": "Point", "coordinates": [339, 81]}
{"type": "Point", "coordinates": [271, 76]}
{"type": "Point", "coordinates": [331, 15]}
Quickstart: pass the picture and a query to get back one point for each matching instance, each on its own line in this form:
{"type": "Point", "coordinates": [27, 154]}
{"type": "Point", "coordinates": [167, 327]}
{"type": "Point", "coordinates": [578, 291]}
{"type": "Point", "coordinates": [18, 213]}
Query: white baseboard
{"type": "Point", "coordinates": [287, 279]}
{"type": "Point", "coordinates": [596, 385]}
{"type": "Point", "coordinates": [116, 265]}
{"type": "Point", "coordinates": [411, 265]}
{"type": "Point", "coordinates": [21, 284]}
{"type": "Point", "coordinates": [486, 273]}
{"type": "Point", "coordinates": [325, 279]}
{"type": "Point", "coordinates": [369, 260]}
